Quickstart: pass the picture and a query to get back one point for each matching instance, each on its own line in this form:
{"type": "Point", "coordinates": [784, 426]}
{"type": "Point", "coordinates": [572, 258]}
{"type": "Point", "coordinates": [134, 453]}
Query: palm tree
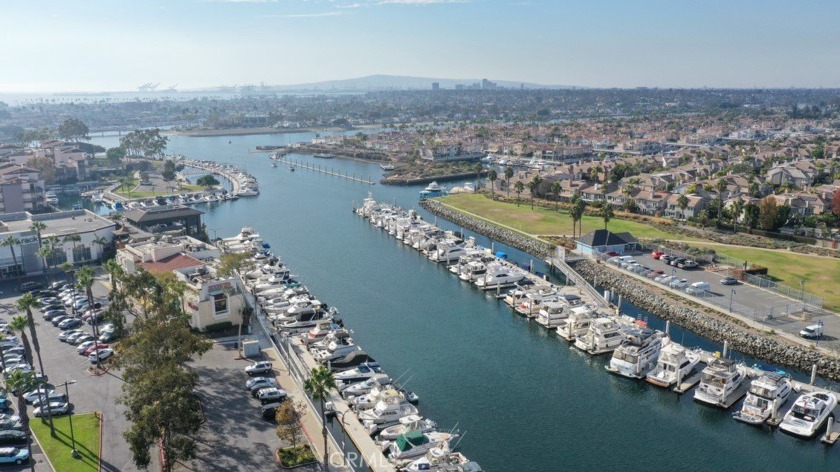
{"type": "Point", "coordinates": [67, 268]}
{"type": "Point", "coordinates": [682, 202]}
{"type": "Point", "coordinates": [556, 188]}
{"type": "Point", "coordinates": [721, 187]}
{"type": "Point", "coordinates": [25, 304]}
{"type": "Point", "coordinates": [318, 386]}
{"type": "Point", "coordinates": [2, 356]}
{"type": "Point", "coordinates": [72, 238]}
{"type": "Point", "coordinates": [737, 208]}
{"type": "Point", "coordinates": [534, 186]}
{"type": "Point", "coordinates": [518, 187]}
{"type": "Point", "coordinates": [607, 214]}
{"type": "Point", "coordinates": [126, 183]}
{"type": "Point", "coordinates": [84, 280]}
{"type": "Point", "coordinates": [114, 270]}
{"type": "Point", "coordinates": [100, 241]}
{"type": "Point", "coordinates": [21, 383]}
{"type": "Point", "coordinates": [10, 241]}
{"type": "Point", "coordinates": [37, 227]}
{"type": "Point", "coordinates": [492, 176]}
{"type": "Point", "coordinates": [508, 176]}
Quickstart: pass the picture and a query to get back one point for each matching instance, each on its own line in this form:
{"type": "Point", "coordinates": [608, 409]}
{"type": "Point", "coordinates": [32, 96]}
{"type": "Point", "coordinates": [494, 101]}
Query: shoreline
{"type": "Point", "coordinates": [199, 133]}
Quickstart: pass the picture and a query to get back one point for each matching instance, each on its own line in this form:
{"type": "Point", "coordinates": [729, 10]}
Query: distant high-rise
{"type": "Point", "coordinates": [487, 85]}
{"type": "Point", "coordinates": [435, 85]}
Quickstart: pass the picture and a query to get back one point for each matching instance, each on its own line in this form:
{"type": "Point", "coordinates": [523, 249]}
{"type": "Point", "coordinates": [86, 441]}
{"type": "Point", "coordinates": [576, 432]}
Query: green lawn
{"type": "Point", "coordinates": [821, 274]}
{"type": "Point", "coordinates": [86, 431]}
{"type": "Point", "coordinates": [178, 190]}
{"type": "Point", "coordinates": [546, 221]}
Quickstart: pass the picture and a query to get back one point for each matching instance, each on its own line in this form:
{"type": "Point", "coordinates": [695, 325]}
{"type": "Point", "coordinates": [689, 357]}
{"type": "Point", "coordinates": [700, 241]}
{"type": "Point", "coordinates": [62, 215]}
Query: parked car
{"type": "Point", "coordinates": [63, 336]}
{"type": "Point", "coordinates": [5, 403]}
{"type": "Point", "coordinates": [675, 262]}
{"type": "Point", "coordinates": [80, 339]}
{"type": "Point", "coordinates": [12, 437]}
{"type": "Point", "coordinates": [55, 408]}
{"type": "Point", "coordinates": [262, 382]}
{"type": "Point", "coordinates": [666, 258]}
{"type": "Point", "coordinates": [24, 368]}
{"type": "Point", "coordinates": [102, 353]}
{"type": "Point", "coordinates": [51, 398]}
{"type": "Point", "coordinates": [108, 337]}
{"type": "Point", "coordinates": [58, 285]}
{"type": "Point", "coordinates": [697, 288]}
{"type": "Point", "coordinates": [70, 323]}
{"type": "Point", "coordinates": [29, 286]}
{"type": "Point", "coordinates": [814, 331]}
{"type": "Point", "coordinates": [678, 283]}
{"type": "Point", "coordinates": [258, 368]}
{"type": "Point", "coordinates": [271, 395]}
{"type": "Point", "coordinates": [50, 315]}
{"type": "Point", "coordinates": [44, 301]}
{"type": "Point", "coordinates": [269, 411]}
{"type": "Point", "coordinates": [688, 264]}
{"type": "Point", "coordinates": [16, 350]}
{"type": "Point", "coordinates": [9, 424]}
{"type": "Point", "coordinates": [665, 279]}
{"type": "Point", "coordinates": [58, 319]}
{"type": "Point", "coordinates": [653, 274]}
{"type": "Point", "coordinates": [32, 396]}
{"type": "Point", "coordinates": [92, 349]}
{"type": "Point", "coordinates": [729, 281]}
{"type": "Point", "coordinates": [657, 254]}
{"type": "Point", "coordinates": [14, 455]}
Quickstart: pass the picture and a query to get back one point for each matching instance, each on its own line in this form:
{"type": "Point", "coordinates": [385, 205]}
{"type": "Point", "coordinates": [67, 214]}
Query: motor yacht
{"type": "Point", "coordinates": [552, 312]}
{"type": "Point", "coordinates": [766, 395]}
{"type": "Point", "coordinates": [388, 394]}
{"type": "Point", "coordinates": [321, 330]}
{"type": "Point", "coordinates": [358, 374]}
{"type": "Point", "coordinates": [499, 276]}
{"type": "Point", "coordinates": [304, 322]}
{"type": "Point", "coordinates": [604, 335]}
{"type": "Point", "coordinates": [530, 303]}
{"type": "Point", "coordinates": [335, 350]}
{"type": "Point", "coordinates": [416, 443]}
{"type": "Point", "coordinates": [448, 251]}
{"type": "Point", "coordinates": [432, 190]}
{"type": "Point", "coordinates": [720, 380]}
{"type": "Point", "coordinates": [304, 306]}
{"type": "Point", "coordinates": [386, 411]}
{"type": "Point", "coordinates": [442, 459]}
{"type": "Point", "coordinates": [675, 363]}
{"type": "Point", "coordinates": [808, 414]}
{"type": "Point", "coordinates": [577, 324]}
{"type": "Point", "coordinates": [360, 388]}
{"type": "Point", "coordinates": [638, 353]}
{"type": "Point", "coordinates": [405, 425]}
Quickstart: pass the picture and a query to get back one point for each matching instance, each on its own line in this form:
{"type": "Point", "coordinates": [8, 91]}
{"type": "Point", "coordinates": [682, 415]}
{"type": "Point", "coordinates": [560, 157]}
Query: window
{"type": "Point", "coordinates": [11, 271]}
{"type": "Point", "coordinates": [220, 303]}
{"type": "Point", "coordinates": [81, 253]}
{"type": "Point", "coordinates": [57, 257]}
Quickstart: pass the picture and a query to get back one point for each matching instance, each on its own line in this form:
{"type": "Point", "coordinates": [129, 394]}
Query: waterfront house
{"type": "Point", "coordinates": [601, 241]}
{"type": "Point", "coordinates": [176, 219]}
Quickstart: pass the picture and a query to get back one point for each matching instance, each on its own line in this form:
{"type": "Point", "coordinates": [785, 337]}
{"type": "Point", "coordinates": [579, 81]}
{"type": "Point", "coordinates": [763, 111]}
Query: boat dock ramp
{"type": "Point", "coordinates": [408, 227]}
{"type": "Point", "coordinates": [324, 170]}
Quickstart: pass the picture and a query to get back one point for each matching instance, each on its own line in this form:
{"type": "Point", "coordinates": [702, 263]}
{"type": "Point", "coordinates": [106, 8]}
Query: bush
{"type": "Point", "coordinates": [292, 457]}
{"type": "Point", "coordinates": [218, 327]}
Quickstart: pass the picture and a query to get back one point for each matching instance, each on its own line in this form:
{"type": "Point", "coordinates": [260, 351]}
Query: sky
{"type": "Point", "coordinates": [117, 45]}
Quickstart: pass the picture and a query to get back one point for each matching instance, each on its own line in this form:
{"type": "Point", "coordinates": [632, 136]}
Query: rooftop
{"type": "Point", "coordinates": [150, 215]}
{"type": "Point", "coordinates": [168, 264]}
{"type": "Point", "coordinates": [58, 224]}
{"type": "Point", "coordinates": [602, 237]}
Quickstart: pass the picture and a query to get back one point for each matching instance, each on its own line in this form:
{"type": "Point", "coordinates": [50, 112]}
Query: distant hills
{"type": "Point", "coordinates": [394, 82]}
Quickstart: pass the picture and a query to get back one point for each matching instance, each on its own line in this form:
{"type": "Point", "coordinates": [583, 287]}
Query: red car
{"type": "Point", "coordinates": [613, 254]}
{"type": "Point", "coordinates": [657, 254]}
{"type": "Point", "coordinates": [93, 348]}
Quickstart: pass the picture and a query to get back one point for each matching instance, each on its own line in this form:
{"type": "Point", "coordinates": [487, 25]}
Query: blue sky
{"type": "Point", "coordinates": [86, 45]}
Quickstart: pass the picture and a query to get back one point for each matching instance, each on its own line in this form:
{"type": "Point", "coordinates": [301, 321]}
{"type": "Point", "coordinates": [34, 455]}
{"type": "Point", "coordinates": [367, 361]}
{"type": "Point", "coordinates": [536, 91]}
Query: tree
{"type": "Point", "coordinates": [115, 154]}
{"type": "Point", "coordinates": [45, 166]}
{"type": "Point", "coordinates": [577, 211]}
{"type": "Point", "coordinates": [682, 203]}
{"type": "Point", "coordinates": [10, 241]}
{"type": "Point", "coordinates": [20, 383]}
{"type": "Point", "coordinates": [737, 208]}
{"type": "Point", "coordinates": [19, 325]}
{"type": "Point", "coordinates": [518, 187]}
{"type": "Point", "coordinates": [556, 188]}
{"type": "Point", "coordinates": [751, 215]}
{"type": "Point", "coordinates": [144, 143]}
{"type": "Point", "coordinates": [721, 187]}
{"type": "Point", "coordinates": [508, 176]}
{"type": "Point", "coordinates": [73, 129]}
{"type": "Point", "coordinates": [607, 213]}
{"type": "Point", "coordinates": [233, 261]}
{"type": "Point", "coordinates": [318, 386]}
{"type": "Point", "coordinates": [492, 176]}
{"type": "Point", "coordinates": [767, 213]}
{"type": "Point", "coordinates": [288, 418]}
{"type": "Point", "coordinates": [84, 280]}
{"type": "Point", "coordinates": [168, 173]}
{"type": "Point", "coordinates": [100, 241]}
{"type": "Point", "coordinates": [127, 184]}
{"type": "Point", "coordinates": [25, 304]}
{"type": "Point", "coordinates": [207, 181]}
{"type": "Point", "coordinates": [37, 227]}
{"type": "Point", "coordinates": [835, 203]}
{"type": "Point", "coordinates": [72, 238]}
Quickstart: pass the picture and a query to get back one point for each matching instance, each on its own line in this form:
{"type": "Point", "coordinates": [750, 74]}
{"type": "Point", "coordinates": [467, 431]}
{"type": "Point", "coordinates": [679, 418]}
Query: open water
{"type": "Point", "coordinates": [522, 398]}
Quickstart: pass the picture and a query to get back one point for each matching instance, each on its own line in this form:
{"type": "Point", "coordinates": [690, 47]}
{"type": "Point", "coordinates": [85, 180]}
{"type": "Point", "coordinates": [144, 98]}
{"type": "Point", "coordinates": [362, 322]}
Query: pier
{"type": "Point", "coordinates": [324, 170]}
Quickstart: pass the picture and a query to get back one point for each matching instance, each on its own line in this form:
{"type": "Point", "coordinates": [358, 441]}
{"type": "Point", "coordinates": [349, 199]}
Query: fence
{"type": "Point", "coordinates": [790, 292]}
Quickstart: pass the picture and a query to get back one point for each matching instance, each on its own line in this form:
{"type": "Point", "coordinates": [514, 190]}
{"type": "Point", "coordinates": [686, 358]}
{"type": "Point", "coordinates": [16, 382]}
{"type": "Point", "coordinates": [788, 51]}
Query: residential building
{"type": "Point", "coordinates": [21, 189]}
{"type": "Point", "coordinates": [601, 241]}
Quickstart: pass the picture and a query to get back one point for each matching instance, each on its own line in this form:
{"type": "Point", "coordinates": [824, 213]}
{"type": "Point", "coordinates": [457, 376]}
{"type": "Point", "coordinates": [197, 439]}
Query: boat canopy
{"type": "Point", "coordinates": [411, 439]}
{"type": "Point", "coordinates": [501, 255]}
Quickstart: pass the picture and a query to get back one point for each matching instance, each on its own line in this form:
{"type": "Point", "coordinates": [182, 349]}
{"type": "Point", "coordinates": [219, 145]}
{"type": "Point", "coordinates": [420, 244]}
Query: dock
{"type": "Point", "coordinates": [689, 383]}
{"type": "Point", "coordinates": [832, 433]}
{"type": "Point", "coordinates": [324, 170]}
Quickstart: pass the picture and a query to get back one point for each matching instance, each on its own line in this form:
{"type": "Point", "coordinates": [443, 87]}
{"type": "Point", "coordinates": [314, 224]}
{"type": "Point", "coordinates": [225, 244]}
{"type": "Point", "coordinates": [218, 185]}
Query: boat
{"type": "Point", "coordinates": [675, 363]}
{"type": "Point", "coordinates": [531, 302]}
{"type": "Point", "coordinates": [350, 361]}
{"type": "Point", "coordinates": [552, 312]}
{"type": "Point", "coordinates": [117, 206]}
{"type": "Point", "coordinates": [335, 350]}
{"type": "Point", "coordinates": [499, 276]}
{"type": "Point", "coordinates": [432, 190]}
{"type": "Point", "coordinates": [808, 414]}
{"type": "Point", "coordinates": [719, 382]}
{"type": "Point", "coordinates": [576, 324]}
{"type": "Point", "coordinates": [386, 410]}
{"type": "Point", "coordinates": [766, 395]}
{"type": "Point", "coordinates": [273, 164]}
{"type": "Point", "coordinates": [406, 424]}
{"type": "Point", "coordinates": [358, 374]}
{"type": "Point", "coordinates": [416, 443]}
{"type": "Point", "coordinates": [51, 198]}
{"type": "Point", "coordinates": [638, 353]}
{"type": "Point", "coordinates": [323, 155]}
{"type": "Point", "coordinates": [360, 388]}
{"type": "Point", "coordinates": [442, 459]}
{"type": "Point", "coordinates": [387, 167]}
{"type": "Point", "coordinates": [604, 335]}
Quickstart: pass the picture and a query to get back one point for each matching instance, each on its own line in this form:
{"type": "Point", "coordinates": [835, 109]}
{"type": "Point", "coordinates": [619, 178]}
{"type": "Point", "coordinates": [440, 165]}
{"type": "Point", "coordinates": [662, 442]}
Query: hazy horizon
{"type": "Point", "coordinates": [117, 45]}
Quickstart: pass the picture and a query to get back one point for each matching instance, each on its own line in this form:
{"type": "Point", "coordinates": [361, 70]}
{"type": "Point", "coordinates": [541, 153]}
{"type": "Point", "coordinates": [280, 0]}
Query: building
{"type": "Point", "coordinates": [21, 189]}
{"type": "Point", "coordinates": [78, 236]}
{"type": "Point", "coordinates": [435, 85]}
{"type": "Point", "coordinates": [601, 241]}
{"type": "Point", "coordinates": [144, 255]}
{"type": "Point", "coordinates": [172, 219]}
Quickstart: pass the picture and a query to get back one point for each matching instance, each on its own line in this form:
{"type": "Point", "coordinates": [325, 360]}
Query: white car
{"type": "Point", "coordinates": [678, 283]}
{"type": "Point", "coordinates": [25, 368]}
{"type": "Point", "coordinates": [32, 396]}
{"type": "Point", "coordinates": [103, 354]}
{"type": "Point", "coordinates": [56, 408]}
{"type": "Point", "coordinates": [258, 368]}
{"type": "Point", "coordinates": [665, 279]}
{"type": "Point", "coordinates": [814, 331]}
{"type": "Point", "coordinates": [83, 346]}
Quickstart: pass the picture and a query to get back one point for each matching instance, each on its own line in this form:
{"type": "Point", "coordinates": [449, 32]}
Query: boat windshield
{"type": "Point", "coordinates": [762, 391]}
{"type": "Point", "coordinates": [758, 402]}
{"type": "Point", "coordinates": [805, 413]}
{"type": "Point", "coordinates": [626, 356]}
{"type": "Point", "coordinates": [714, 380]}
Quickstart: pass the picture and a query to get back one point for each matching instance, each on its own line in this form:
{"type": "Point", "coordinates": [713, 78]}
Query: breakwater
{"type": "Point", "coordinates": [717, 330]}
{"type": "Point", "coordinates": [396, 180]}
{"type": "Point", "coordinates": [522, 242]}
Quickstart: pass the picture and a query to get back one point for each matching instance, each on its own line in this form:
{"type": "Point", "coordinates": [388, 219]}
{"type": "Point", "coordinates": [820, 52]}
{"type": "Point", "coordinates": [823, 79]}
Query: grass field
{"type": "Point", "coordinates": [86, 432]}
{"type": "Point", "coordinates": [821, 274]}
{"type": "Point", "coordinates": [135, 194]}
{"type": "Point", "coordinates": [546, 221]}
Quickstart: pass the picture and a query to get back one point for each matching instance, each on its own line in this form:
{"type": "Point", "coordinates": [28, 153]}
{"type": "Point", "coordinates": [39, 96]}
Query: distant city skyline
{"type": "Point", "coordinates": [118, 45]}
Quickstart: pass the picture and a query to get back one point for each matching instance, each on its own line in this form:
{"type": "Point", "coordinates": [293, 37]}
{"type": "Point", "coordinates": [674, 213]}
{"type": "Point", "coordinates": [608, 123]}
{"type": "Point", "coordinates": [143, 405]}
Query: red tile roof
{"type": "Point", "coordinates": [168, 264]}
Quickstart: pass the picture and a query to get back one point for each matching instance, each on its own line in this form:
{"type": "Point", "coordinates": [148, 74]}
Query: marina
{"type": "Point", "coordinates": [391, 294]}
{"type": "Point", "coordinates": [323, 170]}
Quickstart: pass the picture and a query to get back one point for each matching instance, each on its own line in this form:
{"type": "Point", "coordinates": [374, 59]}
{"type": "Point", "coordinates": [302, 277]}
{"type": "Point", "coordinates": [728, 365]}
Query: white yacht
{"type": "Point", "coordinates": [416, 443]}
{"type": "Point", "coordinates": [808, 414]}
{"type": "Point", "coordinates": [720, 380]}
{"type": "Point", "coordinates": [552, 313]}
{"type": "Point", "coordinates": [358, 374]}
{"type": "Point", "coordinates": [442, 459]}
{"type": "Point", "coordinates": [448, 251]}
{"type": "Point", "coordinates": [499, 276]}
{"type": "Point", "coordinates": [335, 351]}
{"type": "Point", "coordinates": [577, 324]}
{"type": "Point", "coordinates": [638, 354]}
{"type": "Point", "coordinates": [303, 307]}
{"type": "Point", "coordinates": [471, 271]}
{"type": "Point", "coordinates": [406, 424]}
{"type": "Point", "coordinates": [386, 411]}
{"type": "Point", "coordinates": [388, 395]}
{"type": "Point", "coordinates": [529, 305]}
{"type": "Point", "coordinates": [360, 388]}
{"type": "Point", "coordinates": [604, 335]}
{"type": "Point", "coordinates": [675, 363]}
{"type": "Point", "coordinates": [766, 395]}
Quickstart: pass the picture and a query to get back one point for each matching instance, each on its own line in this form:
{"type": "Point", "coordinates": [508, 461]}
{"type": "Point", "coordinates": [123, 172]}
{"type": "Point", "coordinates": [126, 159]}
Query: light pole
{"type": "Point", "coordinates": [801, 288]}
{"type": "Point", "coordinates": [343, 436]}
{"type": "Point", "coordinates": [731, 296]}
{"type": "Point", "coordinates": [66, 386]}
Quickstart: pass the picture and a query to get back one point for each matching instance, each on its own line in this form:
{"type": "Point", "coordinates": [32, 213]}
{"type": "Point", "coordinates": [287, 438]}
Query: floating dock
{"type": "Point", "coordinates": [324, 170]}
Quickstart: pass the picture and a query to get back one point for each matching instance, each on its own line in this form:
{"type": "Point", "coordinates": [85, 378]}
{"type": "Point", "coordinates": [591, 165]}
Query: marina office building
{"type": "Point", "coordinates": [80, 236]}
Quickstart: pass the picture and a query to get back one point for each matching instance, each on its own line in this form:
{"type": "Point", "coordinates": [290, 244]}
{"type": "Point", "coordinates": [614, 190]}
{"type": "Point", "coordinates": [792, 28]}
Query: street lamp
{"type": "Point", "coordinates": [801, 288]}
{"type": "Point", "coordinates": [66, 386]}
{"type": "Point", "coordinates": [343, 435]}
{"type": "Point", "coordinates": [731, 296]}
